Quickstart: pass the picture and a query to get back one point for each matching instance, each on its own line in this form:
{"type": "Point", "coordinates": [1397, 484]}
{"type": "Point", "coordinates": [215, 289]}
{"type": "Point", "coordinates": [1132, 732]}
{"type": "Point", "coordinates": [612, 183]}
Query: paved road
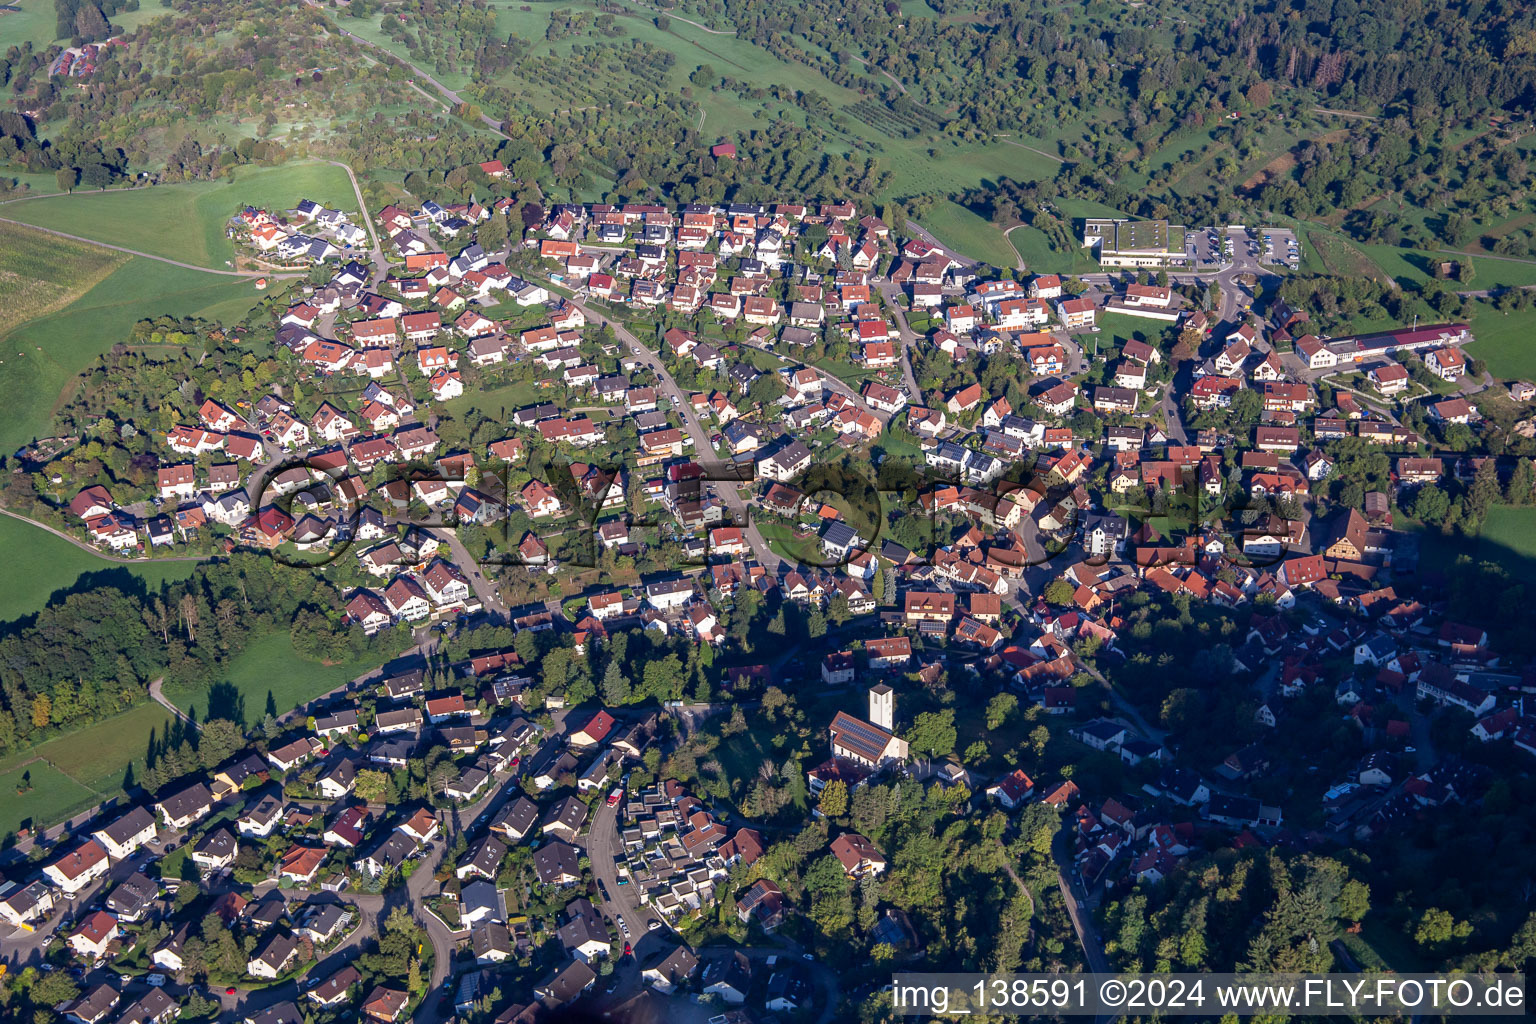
{"type": "Point", "coordinates": [891, 293]}
{"type": "Point", "coordinates": [157, 694]}
{"type": "Point", "coordinates": [603, 844]}
{"type": "Point", "coordinates": [485, 590]}
{"type": "Point", "coordinates": [380, 263]}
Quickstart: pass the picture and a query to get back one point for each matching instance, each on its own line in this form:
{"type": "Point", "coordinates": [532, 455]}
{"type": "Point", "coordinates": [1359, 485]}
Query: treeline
{"type": "Point", "coordinates": [95, 653]}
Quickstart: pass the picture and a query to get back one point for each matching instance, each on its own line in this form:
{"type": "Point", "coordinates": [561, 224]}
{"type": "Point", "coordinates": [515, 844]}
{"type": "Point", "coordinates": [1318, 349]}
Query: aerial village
{"type": "Point", "coordinates": [693, 370]}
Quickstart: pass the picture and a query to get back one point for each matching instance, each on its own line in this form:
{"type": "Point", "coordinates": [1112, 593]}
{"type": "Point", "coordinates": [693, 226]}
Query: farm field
{"type": "Point", "coordinates": [78, 769]}
{"type": "Point", "coordinates": [186, 222]}
{"type": "Point", "coordinates": [41, 273]}
{"type": "Point", "coordinates": [269, 664]}
{"type": "Point", "coordinates": [1506, 341]}
{"type": "Point", "coordinates": [39, 359]}
{"type": "Point", "coordinates": [38, 565]}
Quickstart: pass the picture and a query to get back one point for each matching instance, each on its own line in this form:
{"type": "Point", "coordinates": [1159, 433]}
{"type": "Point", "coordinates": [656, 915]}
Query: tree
{"type": "Point", "coordinates": [933, 732]}
{"type": "Point", "coordinates": [372, 786]}
{"type": "Point", "coordinates": [834, 799]}
{"type": "Point", "coordinates": [1059, 592]}
{"type": "Point", "coordinates": [1001, 708]}
{"type": "Point", "coordinates": [1354, 900]}
{"type": "Point", "coordinates": [65, 177]}
{"type": "Point", "coordinates": [413, 982]}
{"type": "Point", "coordinates": [766, 389]}
{"type": "Point", "coordinates": [42, 711]}
{"type": "Point", "coordinates": [492, 235]}
{"type": "Point", "coordinates": [1522, 481]}
{"type": "Point", "coordinates": [53, 989]}
{"type": "Point", "coordinates": [1430, 504]}
{"type": "Point", "coordinates": [615, 686]}
{"type": "Point", "coordinates": [1437, 927]}
{"type": "Point", "coordinates": [218, 740]}
{"type": "Point", "coordinates": [1485, 490]}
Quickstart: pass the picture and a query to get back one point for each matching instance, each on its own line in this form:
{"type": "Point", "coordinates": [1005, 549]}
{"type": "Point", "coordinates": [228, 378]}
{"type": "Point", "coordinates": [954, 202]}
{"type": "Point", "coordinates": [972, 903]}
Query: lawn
{"type": "Point", "coordinates": [784, 542]}
{"type": "Point", "coordinates": [496, 403]}
{"type": "Point", "coordinates": [1506, 341]}
{"type": "Point", "coordinates": [269, 665]}
{"type": "Point", "coordinates": [39, 359]}
{"type": "Point", "coordinates": [39, 565]}
{"type": "Point", "coordinates": [186, 222]}
{"type": "Point", "coordinates": [1115, 329]}
{"type": "Point", "coordinates": [73, 771]}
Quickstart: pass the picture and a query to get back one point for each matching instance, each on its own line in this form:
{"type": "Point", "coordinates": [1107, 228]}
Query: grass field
{"type": "Point", "coordinates": [969, 233]}
{"type": "Point", "coordinates": [186, 222]}
{"type": "Point", "coordinates": [73, 771]}
{"type": "Point", "coordinates": [1035, 249]}
{"type": "Point", "coordinates": [39, 359]}
{"type": "Point", "coordinates": [1509, 538]}
{"type": "Point", "coordinates": [39, 564]}
{"type": "Point", "coordinates": [1413, 266]}
{"type": "Point", "coordinates": [36, 22]}
{"type": "Point", "coordinates": [1506, 341]}
{"type": "Point", "coordinates": [269, 664]}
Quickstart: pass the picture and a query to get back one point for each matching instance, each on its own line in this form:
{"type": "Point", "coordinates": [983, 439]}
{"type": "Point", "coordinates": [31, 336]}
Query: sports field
{"type": "Point", "coordinates": [186, 222]}
{"type": "Point", "coordinates": [78, 769]}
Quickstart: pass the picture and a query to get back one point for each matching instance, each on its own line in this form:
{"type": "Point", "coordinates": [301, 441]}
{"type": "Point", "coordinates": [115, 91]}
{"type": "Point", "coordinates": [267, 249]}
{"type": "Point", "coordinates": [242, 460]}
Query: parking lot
{"type": "Point", "coordinates": [1279, 246]}
{"type": "Point", "coordinates": [1203, 248]}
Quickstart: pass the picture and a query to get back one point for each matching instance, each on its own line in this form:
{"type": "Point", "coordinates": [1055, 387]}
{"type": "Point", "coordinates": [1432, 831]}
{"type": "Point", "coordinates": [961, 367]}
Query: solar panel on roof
{"type": "Point", "coordinates": [871, 737]}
